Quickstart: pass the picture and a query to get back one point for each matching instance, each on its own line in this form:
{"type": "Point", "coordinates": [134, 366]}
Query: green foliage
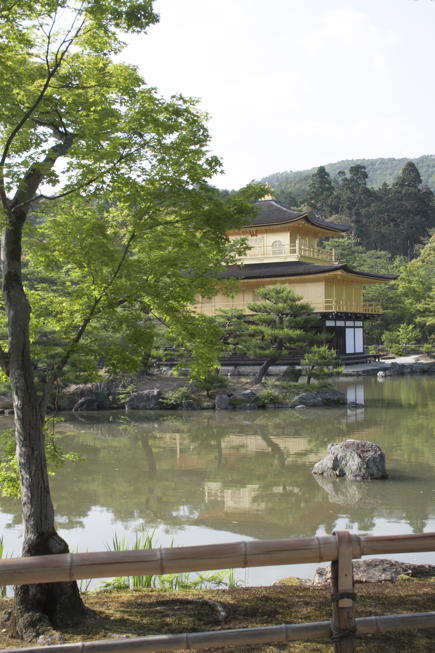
{"type": "Point", "coordinates": [280, 322]}
{"type": "Point", "coordinates": [124, 230]}
{"type": "Point", "coordinates": [401, 340]}
{"type": "Point", "coordinates": [320, 362]}
{"type": "Point", "coordinates": [320, 192]}
{"type": "Point", "coordinates": [380, 171]}
{"type": "Point", "coordinates": [408, 300]}
{"type": "Point", "coordinates": [347, 250]}
{"type": "Point", "coordinates": [210, 382]}
{"type": "Point", "coordinates": [168, 582]}
{"type": "Point", "coordinates": [142, 541]}
{"type": "Point", "coordinates": [9, 474]}
{"type": "Point", "coordinates": [269, 396]}
{"type": "Point", "coordinates": [176, 397]}
{"type": "Point", "coordinates": [396, 215]}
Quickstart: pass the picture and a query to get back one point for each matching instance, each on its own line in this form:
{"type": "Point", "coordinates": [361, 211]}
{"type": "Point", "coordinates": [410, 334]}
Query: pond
{"type": "Point", "coordinates": [205, 477]}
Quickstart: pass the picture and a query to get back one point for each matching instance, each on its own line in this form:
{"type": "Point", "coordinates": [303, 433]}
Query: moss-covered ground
{"type": "Point", "coordinates": [117, 614]}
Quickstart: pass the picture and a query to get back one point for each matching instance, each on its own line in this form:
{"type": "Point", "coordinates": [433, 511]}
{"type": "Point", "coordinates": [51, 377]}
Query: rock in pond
{"type": "Point", "coordinates": [320, 397]}
{"type": "Point", "coordinates": [246, 399]}
{"type": "Point", "coordinates": [144, 400]}
{"type": "Point", "coordinates": [189, 404]}
{"type": "Point", "coordinates": [354, 459]}
{"type": "Point", "coordinates": [222, 402]}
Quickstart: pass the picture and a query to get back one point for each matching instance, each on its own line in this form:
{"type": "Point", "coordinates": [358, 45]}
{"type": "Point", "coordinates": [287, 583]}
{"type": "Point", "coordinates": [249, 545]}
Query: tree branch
{"type": "Point", "coordinates": [58, 59]}
{"type": "Point", "coordinates": [52, 378]}
{"type": "Point", "coordinates": [35, 174]}
{"type": "Point", "coordinates": [81, 186]}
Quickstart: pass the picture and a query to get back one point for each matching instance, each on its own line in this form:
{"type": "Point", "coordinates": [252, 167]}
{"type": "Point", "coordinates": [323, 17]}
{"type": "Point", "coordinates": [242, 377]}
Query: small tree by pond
{"type": "Point", "coordinates": [399, 341]}
{"type": "Point", "coordinates": [278, 324]}
{"type": "Point", "coordinates": [321, 363]}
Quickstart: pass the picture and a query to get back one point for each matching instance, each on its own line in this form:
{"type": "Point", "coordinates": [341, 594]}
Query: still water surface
{"type": "Point", "coordinates": [205, 477]}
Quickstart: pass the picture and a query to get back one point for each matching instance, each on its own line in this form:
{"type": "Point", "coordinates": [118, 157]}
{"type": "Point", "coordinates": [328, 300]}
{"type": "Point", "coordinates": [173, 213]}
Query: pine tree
{"type": "Point", "coordinates": [353, 195]}
{"type": "Point", "coordinates": [320, 195]}
{"type": "Point", "coordinates": [278, 324]}
{"type": "Point", "coordinates": [413, 210]}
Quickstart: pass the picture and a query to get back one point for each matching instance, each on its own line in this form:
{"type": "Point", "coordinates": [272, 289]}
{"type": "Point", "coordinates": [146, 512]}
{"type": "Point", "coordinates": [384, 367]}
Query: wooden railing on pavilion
{"type": "Point", "coordinates": [285, 252]}
{"type": "Point", "coordinates": [211, 307]}
{"type": "Point", "coordinates": [339, 548]}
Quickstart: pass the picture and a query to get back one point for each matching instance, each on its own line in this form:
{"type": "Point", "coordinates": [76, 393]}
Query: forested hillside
{"type": "Point", "coordinates": [379, 171]}
{"type": "Point", "coordinates": [392, 230]}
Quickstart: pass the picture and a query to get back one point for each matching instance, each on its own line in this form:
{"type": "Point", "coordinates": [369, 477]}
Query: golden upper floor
{"type": "Point", "coordinates": [281, 234]}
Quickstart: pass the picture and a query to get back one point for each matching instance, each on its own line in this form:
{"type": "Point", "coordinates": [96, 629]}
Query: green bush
{"type": "Point", "coordinates": [270, 396]}
{"type": "Point", "coordinates": [399, 342]}
{"type": "Point", "coordinates": [321, 363]}
{"type": "Point", "coordinates": [176, 397]}
{"type": "Point", "coordinates": [210, 382]}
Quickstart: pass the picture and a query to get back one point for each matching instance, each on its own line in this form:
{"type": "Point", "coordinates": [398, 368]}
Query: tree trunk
{"type": "Point", "coordinates": [263, 370]}
{"type": "Point", "coordinates": [36, 606]}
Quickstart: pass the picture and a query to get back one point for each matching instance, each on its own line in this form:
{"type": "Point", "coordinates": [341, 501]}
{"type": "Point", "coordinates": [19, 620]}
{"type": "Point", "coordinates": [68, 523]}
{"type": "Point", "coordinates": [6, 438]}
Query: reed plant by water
{"type": "Point", "coordinates": [168, 582]}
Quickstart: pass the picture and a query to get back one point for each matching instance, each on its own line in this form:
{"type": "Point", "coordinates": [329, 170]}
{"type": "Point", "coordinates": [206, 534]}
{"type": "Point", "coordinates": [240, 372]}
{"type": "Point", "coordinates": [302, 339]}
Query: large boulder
{"type": "Point", "coordinates": [354, 459]}
{"type": "Point", "coordinates": [189, 404]}
{"type": "Point", "coordinates": [144, 400]}
{"type": "Point", "coordinates": [331, 397]}
{"type": "Point", "coordinates": [222, 402]}
{"type": "Point", "coordinates": [310, 399]}
{"type": "Point", "coordinates": [246, 399]}
{"type": "Point", "coordinates": [90, 396]}
{"type": "Point", "coordinates": [291, 373]}
{"type": "Point", "coordinates": [320, 397]}
{"type": "Point", "coordinates": [86, 403]}
{"type": "Point", "coordinates": [378, 570]}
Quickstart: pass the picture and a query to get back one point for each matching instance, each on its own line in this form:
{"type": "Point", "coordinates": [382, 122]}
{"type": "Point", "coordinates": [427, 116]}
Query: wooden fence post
{"type": "Point", "coordinates": [343, 623]}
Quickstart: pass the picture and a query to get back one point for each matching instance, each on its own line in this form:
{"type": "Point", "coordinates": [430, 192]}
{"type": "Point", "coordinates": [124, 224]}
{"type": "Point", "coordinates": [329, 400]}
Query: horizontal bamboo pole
{"type": "Point", "coordinates": [239, 636]}
{"type": "Point", "coordinates": [380, 544]}
{"type": "Point", "coordinates": [257, 553]}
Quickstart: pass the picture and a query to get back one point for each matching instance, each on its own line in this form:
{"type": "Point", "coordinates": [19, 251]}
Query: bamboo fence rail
{"type": "Point", "coordinates": [238, 636]}
{"type": "Point", "coordinates": [103, 564]}
{"type": "Point", "coordinates": [339, 548]}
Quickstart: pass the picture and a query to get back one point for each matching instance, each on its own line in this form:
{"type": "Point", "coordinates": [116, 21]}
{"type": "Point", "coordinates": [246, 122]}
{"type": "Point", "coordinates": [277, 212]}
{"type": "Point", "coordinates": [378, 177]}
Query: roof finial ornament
{"type": "Point", "coordinates": [268, 195]}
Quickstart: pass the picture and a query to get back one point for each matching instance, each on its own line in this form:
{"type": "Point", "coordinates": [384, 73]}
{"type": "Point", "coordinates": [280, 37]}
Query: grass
{"type": "Point", "coordinates": [167, 582]}
{"type": "Point", "coordinates": [141, 612]}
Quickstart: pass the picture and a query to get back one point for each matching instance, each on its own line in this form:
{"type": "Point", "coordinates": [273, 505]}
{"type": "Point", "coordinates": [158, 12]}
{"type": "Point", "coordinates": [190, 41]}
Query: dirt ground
{"type": "Point", "coordinates": [119, 614]}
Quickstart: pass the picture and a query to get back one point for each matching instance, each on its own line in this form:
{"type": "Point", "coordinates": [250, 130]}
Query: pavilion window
{"type": "Point", "coordinates": [277, 248]}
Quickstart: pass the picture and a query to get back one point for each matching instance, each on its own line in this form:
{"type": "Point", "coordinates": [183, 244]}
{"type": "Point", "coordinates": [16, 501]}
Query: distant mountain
{"type": "Point", "coordinates": [296, 183]}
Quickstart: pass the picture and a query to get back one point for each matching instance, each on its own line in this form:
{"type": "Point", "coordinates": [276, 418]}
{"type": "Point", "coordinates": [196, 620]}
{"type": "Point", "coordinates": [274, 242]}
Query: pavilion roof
{"type": "Point", "coordinates": [272, 212]}
{"type": "Point", "coordinates": [294, 269]}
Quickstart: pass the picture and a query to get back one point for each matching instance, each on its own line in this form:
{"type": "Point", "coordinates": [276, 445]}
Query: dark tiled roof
{"type": "Point", "coordinates": [293, 269]}
{"type": "Point", "coordinates": [271, 212]}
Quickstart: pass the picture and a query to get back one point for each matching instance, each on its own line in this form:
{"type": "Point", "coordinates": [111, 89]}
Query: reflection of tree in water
{"type": "Point", "coordinates": [292, 499]}
{"type": "Point", "coordinates": [150, 465]}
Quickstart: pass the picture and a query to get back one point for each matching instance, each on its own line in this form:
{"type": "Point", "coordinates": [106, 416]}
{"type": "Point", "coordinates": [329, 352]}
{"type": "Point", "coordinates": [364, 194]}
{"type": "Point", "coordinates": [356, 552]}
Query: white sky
{"type": "Point", "coordinates": [292, 84]}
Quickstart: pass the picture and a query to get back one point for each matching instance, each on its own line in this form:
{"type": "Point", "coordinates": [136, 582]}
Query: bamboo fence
{"type": "Point", "coordinates": [340, 549]}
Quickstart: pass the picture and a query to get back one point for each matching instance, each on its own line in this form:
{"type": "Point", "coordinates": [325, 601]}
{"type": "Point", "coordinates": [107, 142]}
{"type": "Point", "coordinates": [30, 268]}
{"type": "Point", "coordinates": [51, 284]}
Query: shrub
{"type": "Point", "coordinates": [399, 341]}
{"type": "Point", "coordinates": [269, 396]}
{"type": "Point", "coordinates": [176, 397]}
{"type": "Point", "coordinates": [321, 363]}
{"type": "Point", "coordinates": [211, 382]}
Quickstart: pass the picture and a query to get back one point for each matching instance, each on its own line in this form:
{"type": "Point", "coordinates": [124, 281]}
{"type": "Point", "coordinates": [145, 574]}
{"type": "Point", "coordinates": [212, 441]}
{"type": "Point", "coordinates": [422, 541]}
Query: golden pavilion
{"type": "Point", "coordinates": [284, 249]}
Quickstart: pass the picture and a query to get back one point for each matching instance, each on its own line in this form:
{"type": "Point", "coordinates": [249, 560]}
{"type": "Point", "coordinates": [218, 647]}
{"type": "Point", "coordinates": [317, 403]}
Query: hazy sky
{"type": "Point", "coordinates": [291, 84]}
